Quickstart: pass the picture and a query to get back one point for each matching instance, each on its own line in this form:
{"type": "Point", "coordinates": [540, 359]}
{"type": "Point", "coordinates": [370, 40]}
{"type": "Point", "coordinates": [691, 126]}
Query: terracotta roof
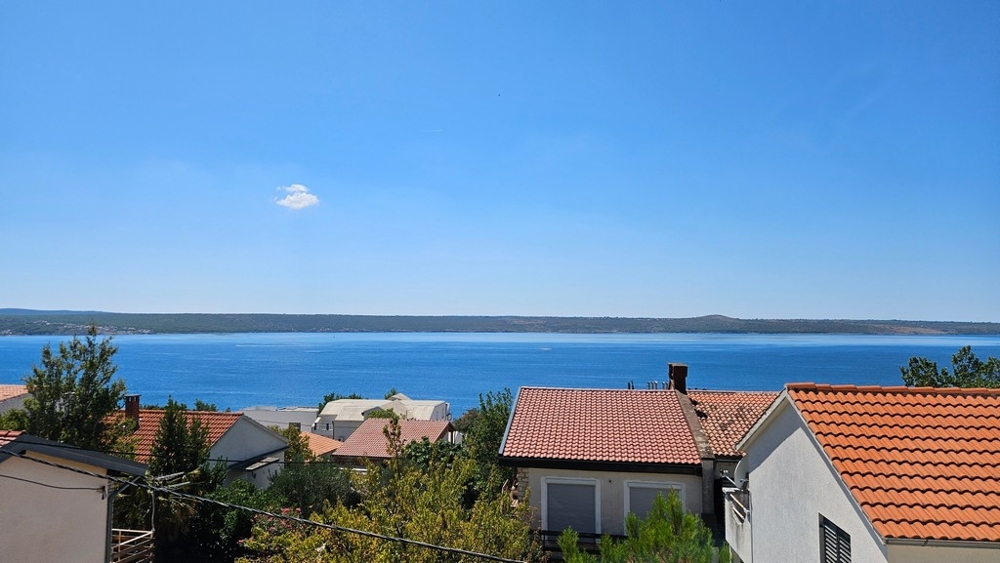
{"type": "Point", "coordinates": [9, 391]}
{"type": "Point", "coordinates": [8, 436]}
{"type": "Point", "coordinates": [369, 441]}
{"type": "Point", "coordinates": [726, 416]}
{"type": "Point", "coordinates": [600, 425]}
{"type": "Point", "coordinates": [321, 445]}
{"type": "Point", "coordinates": [921, 462]}
{"type": "Point", "coordinates": [218, 423]}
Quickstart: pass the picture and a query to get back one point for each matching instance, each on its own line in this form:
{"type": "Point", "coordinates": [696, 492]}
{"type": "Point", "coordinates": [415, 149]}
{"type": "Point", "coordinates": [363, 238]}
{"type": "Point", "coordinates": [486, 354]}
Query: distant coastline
{"type": "Point", "coordinates": [35, 322]}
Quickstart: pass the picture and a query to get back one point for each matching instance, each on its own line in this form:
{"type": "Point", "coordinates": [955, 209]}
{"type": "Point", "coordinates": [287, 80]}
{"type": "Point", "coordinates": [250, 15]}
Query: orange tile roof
{"type": "Point", "coordinates": [10, 391]}
{"type": "Point", "coordinates": [321, 445]}
{"type": "Point", "coordinates": [726, 416]}
{"type": "Point", "coordinates": [921, 462]}
{"type": "Point", "coordinates": [218, 423]}
{"type": "Point", "coordinates": [600, 425]}
{"type": "Point", "coordinates": [8, 436]}
{"type": "Point", "coordinates": [369, 441]}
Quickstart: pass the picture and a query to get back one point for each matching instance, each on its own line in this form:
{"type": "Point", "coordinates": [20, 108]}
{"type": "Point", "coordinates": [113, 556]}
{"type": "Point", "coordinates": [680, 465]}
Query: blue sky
{"type": "Point", "coordinates": [767, 159]}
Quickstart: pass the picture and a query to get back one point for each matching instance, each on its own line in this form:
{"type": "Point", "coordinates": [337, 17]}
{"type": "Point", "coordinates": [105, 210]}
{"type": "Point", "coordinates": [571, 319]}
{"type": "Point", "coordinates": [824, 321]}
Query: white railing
{"type": "Point", "coordinates": [131, 546]}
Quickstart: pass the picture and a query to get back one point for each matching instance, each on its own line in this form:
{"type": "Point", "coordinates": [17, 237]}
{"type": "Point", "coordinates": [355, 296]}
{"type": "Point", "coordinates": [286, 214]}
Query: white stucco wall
{"type": "Point", "coordinates": [39, 523]}
{"type": "Point", "coordinates": [12, 403]}
{"type": "Point", "coordinates": [939, 554]}
{"type": "Point", "coordinates": [791, 485]}
{"type": "Point", "coordinates": [283, 418]}
{"type": "Point", "coordinates": [611, 492]}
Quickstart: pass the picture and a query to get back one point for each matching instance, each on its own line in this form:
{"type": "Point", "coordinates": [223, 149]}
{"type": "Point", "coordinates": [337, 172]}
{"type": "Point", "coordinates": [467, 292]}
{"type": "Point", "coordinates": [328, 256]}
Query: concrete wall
{"type": "Point", "coordinates": [39, 523]}
{"type": "Point", "coordinates": [791, 486]}
{"type": "Point", "coordinates": [12, 403]}
{"type": "Point", "coordinates": [938, 554]}
{"type": "Point", "coordinates": [612, 490]}
{"type": "Point", "coordinates": [247, 440]}
{"type": "Point", "coordinates": [283, 418]}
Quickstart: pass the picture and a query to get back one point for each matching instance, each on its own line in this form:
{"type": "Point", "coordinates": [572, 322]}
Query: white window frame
{"type": "Point", "coordinates": [546, 481]}
{"type": "Point", "coordinates": [664, 486]}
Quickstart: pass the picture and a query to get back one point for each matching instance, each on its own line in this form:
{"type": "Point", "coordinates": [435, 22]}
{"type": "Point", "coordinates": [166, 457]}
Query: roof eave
{"type": "Point", "coordinates": [600, 465]}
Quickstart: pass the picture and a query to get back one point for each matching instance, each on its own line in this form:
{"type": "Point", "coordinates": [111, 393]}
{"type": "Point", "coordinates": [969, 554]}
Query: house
{"type": "Point", "coordinates": [250, 450]}
{"type": "Point", "coordinates": [873, 474]}
{"type": "Point", "coordinates": [370, 442]}
{"type": "Point", "coordinates": [12, 397]}
{"type": "Point", "coordinates": [301, 418]}
{"type": "Point", "coordinates": [340, 418]}
{"type": "Point", "coordinates": [56, 504]}
{"type": "Point", "coordinates": [591, 456]}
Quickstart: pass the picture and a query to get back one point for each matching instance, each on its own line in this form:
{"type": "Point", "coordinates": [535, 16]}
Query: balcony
{"type": "Point", "coordinates": [131, 546]}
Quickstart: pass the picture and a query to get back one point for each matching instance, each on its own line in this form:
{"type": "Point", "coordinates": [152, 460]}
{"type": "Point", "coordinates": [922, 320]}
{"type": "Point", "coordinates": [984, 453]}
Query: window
{"type": "Point", "coordinates": [639, 495]}
{"type": "Point", "coordinates": [570, 503]}
{"type": "Point", "coordinates": [834, 543]}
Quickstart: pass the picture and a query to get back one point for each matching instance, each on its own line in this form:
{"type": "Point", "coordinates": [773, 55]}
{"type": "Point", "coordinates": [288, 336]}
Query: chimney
{"type": "Point", "coordinates": [132, 408]}
{"type": "Point", "coordinates": [678, 377]}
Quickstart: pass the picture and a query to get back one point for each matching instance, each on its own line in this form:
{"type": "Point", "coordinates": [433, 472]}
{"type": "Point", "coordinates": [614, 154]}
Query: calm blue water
{"type": "Point", "coordinates": [240, 370]}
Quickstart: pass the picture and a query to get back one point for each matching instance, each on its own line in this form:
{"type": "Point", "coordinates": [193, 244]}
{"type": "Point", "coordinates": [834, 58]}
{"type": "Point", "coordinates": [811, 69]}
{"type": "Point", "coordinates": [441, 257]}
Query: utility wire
{"type": "Point", "coordinates": [98, 489]}
{"type": "Point", "coordinates": [332, 527]}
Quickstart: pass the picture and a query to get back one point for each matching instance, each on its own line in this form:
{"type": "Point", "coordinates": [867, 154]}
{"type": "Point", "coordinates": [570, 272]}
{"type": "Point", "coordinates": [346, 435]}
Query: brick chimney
{"type": "Point", "coordinates": [678, 376]}
{"type": "Point", "coordinates": [132, 408]}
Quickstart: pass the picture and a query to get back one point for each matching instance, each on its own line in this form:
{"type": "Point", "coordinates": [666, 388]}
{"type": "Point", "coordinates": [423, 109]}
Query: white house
{"type": "Point", "coordinates": [286, 417]}
{"type": "Point", "coordinates": [870, 474]}
{"type": "Point", "coordinates": [12, 397]}
{"type": "Point", "coordinates": [591, 456]}
{"type": "Point", "coordinates": [340, 418]}
{"type": "Point", "coordinates": [49, 512]}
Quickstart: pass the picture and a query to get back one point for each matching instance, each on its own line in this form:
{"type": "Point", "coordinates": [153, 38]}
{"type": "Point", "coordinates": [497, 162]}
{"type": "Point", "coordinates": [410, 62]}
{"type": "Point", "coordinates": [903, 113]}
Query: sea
{"type": "Point", "coordinates": [236, 371]}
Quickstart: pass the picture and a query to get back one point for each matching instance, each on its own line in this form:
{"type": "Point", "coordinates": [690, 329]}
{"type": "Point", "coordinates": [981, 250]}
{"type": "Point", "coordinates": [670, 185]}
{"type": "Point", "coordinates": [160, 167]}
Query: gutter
{"type": "Point", "coordinates": [943, 543]}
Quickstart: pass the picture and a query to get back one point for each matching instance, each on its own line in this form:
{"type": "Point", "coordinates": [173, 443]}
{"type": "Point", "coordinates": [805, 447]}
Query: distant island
{"type": "Point", "coordinates": [28, 322]}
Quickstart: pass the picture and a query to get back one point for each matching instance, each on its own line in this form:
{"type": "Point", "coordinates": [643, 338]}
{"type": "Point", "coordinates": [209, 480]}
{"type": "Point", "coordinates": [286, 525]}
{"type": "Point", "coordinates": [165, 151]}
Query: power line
{"type": "Point", "coordinates": [101, 490]}
{"type": "Point", "coordinates": [332, 527]}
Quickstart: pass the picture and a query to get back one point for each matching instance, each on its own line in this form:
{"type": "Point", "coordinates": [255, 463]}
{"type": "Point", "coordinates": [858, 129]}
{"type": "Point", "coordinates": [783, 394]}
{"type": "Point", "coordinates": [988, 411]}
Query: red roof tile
{"type": "Point", "coordinates": [603, 425]}
{"type": "Point", "coordinates": [218, 423]}
{"type": "Point", "coordinates": [726, 416]}
{"type": "Point", "coordinates": [921, 462]}
{"type": "Point", "coordinates": [8, 436]}
{"type": "Point", "coordinates": [9, 391]}
{"type": "Point", "coordinates": [321, 445]}
{"type": "Point", "coordinates": [369, 440]}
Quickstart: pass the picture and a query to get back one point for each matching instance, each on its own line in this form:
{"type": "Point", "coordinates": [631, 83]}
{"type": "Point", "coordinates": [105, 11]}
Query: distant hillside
{"type": "Point", "coordinates": [25, 321]}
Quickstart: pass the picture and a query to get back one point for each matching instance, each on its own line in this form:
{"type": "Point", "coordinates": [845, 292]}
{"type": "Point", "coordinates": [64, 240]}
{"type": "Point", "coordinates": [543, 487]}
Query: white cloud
{"type": "Point", "coordinates": [298, 197]}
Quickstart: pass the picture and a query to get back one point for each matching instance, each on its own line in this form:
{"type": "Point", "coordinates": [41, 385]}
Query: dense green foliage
{"type": "Point", "coordinates": [667, 534]}
{"type": "Point", "coordinates": [73, 393]}
{"type": "Point", "coordinates": [403, 499]}
{"type": "Point", "coordinates": [967, 371]}
{"type": "Point", "coordinates": [179, 446]}
{"type": "Point", "coordinates": [484, 437]}
{"type": "Point", "coordinates": [21, 321]}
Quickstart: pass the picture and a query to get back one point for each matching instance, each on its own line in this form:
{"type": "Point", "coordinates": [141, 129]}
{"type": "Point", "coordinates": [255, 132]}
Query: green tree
{"type": "Point", "coordinates": [667, 534]}
{"type": "Point", "coordinates": [200, 405]}
{"type": "Point", "coordinates": [967, 371]}
{"type": "Point", "coordinates": [484, 437]}
{"type": "Point", "coordinates": [404, 500]}
{"type": "Point", "coordinates": [179, 445]}
{"type": "Point", "coordinates": [73, 394]}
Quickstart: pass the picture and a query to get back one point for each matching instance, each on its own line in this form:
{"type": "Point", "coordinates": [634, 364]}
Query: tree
{"type": "Point", "coordinates": [668, 534]}
{"type": "Point", "coordinates": [73, 394]}
{"type": "Point", "coordinates": [403, 500]}
{"type": "Point", "coordinates": [484, 437]}
{"type": "Point", "coordinates": [179, 446]}
{"type": "Point", "coordinates": [967, 371]}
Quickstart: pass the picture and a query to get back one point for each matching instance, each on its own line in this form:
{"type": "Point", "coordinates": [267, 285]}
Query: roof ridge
{"type": "Point", "coordinates": [901, 389]}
